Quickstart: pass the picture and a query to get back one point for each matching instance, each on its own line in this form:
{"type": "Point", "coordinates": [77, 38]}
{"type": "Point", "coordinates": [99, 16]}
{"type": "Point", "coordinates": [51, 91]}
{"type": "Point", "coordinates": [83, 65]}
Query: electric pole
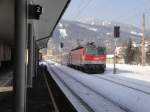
{"type": "Point", "coordinates": [143, 41]}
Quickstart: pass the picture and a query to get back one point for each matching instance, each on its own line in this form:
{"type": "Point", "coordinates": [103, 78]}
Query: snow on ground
{"type": "Point", "coordinates": [77, 104]}
{"type": "Point", "coordinates": [132, 71]}
{"type": "Point", "coordinates": [89, 28]}
{"type": "Point", "coordinates": [129, 96]}
{"type": "Point", "coordinates": [90, 97]}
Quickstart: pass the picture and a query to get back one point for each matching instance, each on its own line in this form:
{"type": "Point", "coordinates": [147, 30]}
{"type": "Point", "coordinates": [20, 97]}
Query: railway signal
{"type": "Point", "coordinates": [117, 31]}
{"type": "Point", "coordinates": [116, 35]}
{"type": "Point", "coordinates": [61, 45]}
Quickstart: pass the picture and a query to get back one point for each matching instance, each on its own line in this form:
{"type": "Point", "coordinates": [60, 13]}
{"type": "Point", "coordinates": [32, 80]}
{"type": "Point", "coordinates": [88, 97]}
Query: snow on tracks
{"type": "Point", "coordinates": [93, 100]}
{"type": "Point", "coordinates": [137, 69]}
{"type": "Point", "coordinates": [131, 96]}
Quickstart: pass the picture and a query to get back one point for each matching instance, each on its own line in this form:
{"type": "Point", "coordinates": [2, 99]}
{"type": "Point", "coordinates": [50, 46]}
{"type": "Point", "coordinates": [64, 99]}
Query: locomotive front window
{"type": "Point", "coordinates": [92, 51]}
{"type": "Point", "coordinates": [101, 50]}
{"type": "Point", "coordinates": [96, 51]}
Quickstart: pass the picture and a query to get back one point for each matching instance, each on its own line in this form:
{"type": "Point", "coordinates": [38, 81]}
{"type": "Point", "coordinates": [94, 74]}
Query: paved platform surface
{"type": "Point", "coordinates": [38, 98]}
{"type": "Point", "coordinates": [6, 101]}
{"type": "Point", "coordinates": [6, 90]}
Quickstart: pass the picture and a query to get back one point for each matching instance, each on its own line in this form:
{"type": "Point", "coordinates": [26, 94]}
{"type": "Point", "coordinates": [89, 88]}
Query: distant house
{"type": "Point", "coordinates": [110, 59]}
{"type": "Point", "coordinates": [147, 45]}
{"type": "Point", "coordinates": [119, 56]}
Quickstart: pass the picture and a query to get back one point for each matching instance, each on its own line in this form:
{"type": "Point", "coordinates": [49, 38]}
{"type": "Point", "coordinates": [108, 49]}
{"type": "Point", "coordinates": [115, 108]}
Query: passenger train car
{"type": "Point", "coordinates": [88, 58]}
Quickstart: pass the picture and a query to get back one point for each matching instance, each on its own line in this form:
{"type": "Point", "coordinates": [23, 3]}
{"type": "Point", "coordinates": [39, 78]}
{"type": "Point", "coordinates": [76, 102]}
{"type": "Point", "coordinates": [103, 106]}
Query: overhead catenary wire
{"type": "Point", "coordinates": [77, 8]}
{"type": "Point", "coordinates": [135, 9]}
{"type": "Point", "coordinates": [129, 16]}
{"type": "Point", "coordinates": [83, 8]}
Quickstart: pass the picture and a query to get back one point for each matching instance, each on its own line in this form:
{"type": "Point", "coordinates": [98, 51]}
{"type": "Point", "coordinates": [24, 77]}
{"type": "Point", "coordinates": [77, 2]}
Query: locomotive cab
{"type": "Point", "coordinates": [94, 60]}
{"type": "Point", "coordinates": [89, 58]}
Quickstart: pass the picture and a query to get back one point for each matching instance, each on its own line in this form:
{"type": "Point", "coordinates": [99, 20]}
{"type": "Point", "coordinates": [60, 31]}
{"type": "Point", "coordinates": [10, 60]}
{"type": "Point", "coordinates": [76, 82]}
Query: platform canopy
{"type": "Point", "coordinates": [52, 12]}
{"type": "Point", "coordinates": [42, 43]}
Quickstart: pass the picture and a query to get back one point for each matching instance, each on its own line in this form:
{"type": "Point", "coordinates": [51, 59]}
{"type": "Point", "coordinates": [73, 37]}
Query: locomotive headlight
{"type": "Point", "coordinates": [83, 57]}
{"type": "Point", "coordinates": [103, 57]}
{"type": "Point", "coordinates": [96, 58]}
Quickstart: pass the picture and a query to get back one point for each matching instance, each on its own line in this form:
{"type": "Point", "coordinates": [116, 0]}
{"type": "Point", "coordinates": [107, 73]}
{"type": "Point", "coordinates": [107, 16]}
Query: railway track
{"type": "Point", "coordinates": [89, 107]}
{"type": "Point", "coordinates": [81, 101]}
{"type": "Point", "coordinates": [128, 95]}
{"type": "Point", "coordinates": [127, 83]}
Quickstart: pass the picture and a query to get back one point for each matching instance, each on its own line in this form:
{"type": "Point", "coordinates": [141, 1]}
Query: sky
{"type": "Point", "coordinates": [124, 11]}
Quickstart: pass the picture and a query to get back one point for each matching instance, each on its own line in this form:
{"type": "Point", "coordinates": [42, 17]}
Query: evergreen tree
{"type": "Point", "coordinates": [148, 56]}
{"type": "Point", "coordinates": [129, 53]}
{"type": "Point", "coordinates": [137, 55]}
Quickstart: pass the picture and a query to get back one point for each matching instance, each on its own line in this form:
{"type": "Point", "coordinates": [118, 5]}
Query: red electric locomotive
{"type": "Point", "coordinates": [88, 58]}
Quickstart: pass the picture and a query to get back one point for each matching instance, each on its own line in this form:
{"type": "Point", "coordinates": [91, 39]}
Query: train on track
{"type": "Point", "coordinates": [88, 58]}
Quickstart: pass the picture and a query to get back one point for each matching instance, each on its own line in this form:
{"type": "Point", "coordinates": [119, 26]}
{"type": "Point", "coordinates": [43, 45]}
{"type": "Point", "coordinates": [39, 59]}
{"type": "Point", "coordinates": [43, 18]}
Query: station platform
{"type": "Point", "coordinates": [6, 90]}
{"type": "Point", "coordinates": [38, 97]}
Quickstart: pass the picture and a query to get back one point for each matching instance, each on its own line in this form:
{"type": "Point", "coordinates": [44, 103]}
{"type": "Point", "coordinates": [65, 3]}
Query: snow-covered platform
{"type": "Point", "coordinates": [101, 92]}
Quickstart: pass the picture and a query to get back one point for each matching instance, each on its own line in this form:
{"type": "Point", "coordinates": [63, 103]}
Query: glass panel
{"type": "Point", "coordinates": [101, 50]}
{"type": "Point", "coordinates": [92, 51]}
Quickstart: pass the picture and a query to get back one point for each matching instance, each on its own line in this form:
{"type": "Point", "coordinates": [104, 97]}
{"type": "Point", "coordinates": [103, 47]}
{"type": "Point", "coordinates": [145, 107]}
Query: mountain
{"type": "Point", "coordinates": [73, 33]}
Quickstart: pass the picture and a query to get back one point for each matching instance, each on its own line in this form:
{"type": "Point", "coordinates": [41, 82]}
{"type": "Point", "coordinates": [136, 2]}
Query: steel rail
{"type": "Point", "coordinates": [120, 78]}
{"type": "Point", "coordinates": [124, 85]}
{"type": "Point", "coordinates": [119, 83]}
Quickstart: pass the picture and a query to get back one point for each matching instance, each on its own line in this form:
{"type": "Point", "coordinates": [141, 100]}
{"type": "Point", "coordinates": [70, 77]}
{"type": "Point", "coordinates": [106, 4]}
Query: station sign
{"type": "Point", "coordinates": [34, 11]}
